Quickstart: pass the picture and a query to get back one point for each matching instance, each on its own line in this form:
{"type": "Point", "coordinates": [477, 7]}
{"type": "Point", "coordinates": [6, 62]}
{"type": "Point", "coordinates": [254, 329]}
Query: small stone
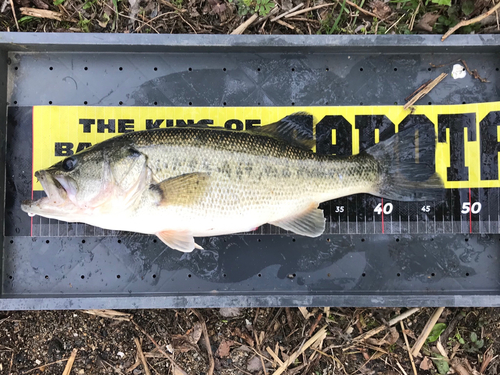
{"type": "Point", "coordinates": [137, 371]}
{"type": "Point", "coordinates": [81, 371]}
{"type": "Point", "coordinates": [75, 334]}
{"type": "Point", "coordinates": [38, 362]}
{"type": "Point", "coordinates": [121, 354]}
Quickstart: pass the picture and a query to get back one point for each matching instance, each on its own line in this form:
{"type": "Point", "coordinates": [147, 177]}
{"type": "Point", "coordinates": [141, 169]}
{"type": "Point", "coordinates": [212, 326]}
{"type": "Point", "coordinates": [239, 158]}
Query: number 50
{"type": "Point", "coordinates": [475, 208]}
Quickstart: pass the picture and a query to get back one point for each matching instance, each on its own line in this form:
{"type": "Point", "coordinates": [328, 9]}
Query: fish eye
{"type": "Point", "coordinates": [69, 164]}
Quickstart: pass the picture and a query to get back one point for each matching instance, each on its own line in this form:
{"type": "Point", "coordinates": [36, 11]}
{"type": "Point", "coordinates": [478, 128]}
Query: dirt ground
{"type": "Point", "coordinates": [242, 341]}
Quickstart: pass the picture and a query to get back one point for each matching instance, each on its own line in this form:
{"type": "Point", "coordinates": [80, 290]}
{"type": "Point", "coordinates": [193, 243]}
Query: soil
{"type": "Point", "coordinates": [40, 342]}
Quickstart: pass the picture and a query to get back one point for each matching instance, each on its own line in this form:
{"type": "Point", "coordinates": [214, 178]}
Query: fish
{"type": "Point", "coordinates": [183, 182]}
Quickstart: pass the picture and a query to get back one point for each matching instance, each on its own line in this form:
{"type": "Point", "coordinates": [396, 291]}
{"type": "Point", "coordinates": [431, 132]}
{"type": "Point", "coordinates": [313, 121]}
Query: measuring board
{"type": "Point", "coordinates": [466, 157]}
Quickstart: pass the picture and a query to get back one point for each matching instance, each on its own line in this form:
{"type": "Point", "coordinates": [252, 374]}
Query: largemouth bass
{"type": "Point", "coordinates": [181, 183]}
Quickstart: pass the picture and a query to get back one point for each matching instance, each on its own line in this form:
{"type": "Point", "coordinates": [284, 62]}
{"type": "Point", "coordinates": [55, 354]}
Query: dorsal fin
{"type": "Point", "coordinates": [295, 129]}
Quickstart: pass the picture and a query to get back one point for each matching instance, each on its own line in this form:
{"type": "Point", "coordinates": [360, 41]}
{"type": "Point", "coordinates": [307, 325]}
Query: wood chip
{"type": "Point", "coordinates": [69, 364]}
{"type": "Point", "coordinates": [306, 314]}
{"type": "Point", "coordinates": [110, 314]}
{"type": "Point", "coordinates": [43, 13]}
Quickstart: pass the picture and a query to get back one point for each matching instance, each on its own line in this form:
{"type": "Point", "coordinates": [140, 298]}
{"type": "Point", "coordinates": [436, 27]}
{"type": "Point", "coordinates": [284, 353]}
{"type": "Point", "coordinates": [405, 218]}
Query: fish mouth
{"type": "Point", "coordinates": [57, 195]}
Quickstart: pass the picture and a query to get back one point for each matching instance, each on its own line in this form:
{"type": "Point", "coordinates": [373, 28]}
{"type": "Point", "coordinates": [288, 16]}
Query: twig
{"type": "Point", "coordinates": [487, 358]}
{"type": "Point", "coordinates": [69, 364]}
{"type": "Point", "coordinates": [141, 356]}
{"type": "Point", "coordinates": [401, 368]}
{"type": "Point", "coordinates": [43, 13]}
{"type": "Point", "coordinates": [110, 314]}
{"type": "Point", "coordinates": [392, 322]}
{"type": "Point", "coordinates": [362, 10]}
{"type": "Point", "coordinates": [14, 13]}
{"type": "Point", "coordinates": [427, 330]}
{"type": "Point", "coordinates": [321, 334]}
{"type": "Point", "coordinates": [468, 22]}
{"type": "Point", "coordinates": [283, 23]}
{"type": "Point", "coordinates": [273, 11]}
{"type": "Point", "coordinates": [43, 366]}
{"type": "Point", "coordinates": [315, 324]}
{"type": "Point", "coordinates": [287, 12]}
{"type": "Point", "coordinates": [158, 347]}
{"type": "Point", "coordinates": [211, 363]}
{"type": "Point", "coordinates": [309, 9]}
{"type": "Point", "coordinates": [395, 23]}
{"type": "Point", "coordinates": [243, 371]}
{"type": "Point", "coordinates": [240, 29]}
{"type": "Point", "coordinates": [425, 91]}
{"type": "Point", "coordinates": [274, 355]}
{"type": "Point", "coordinates": [417, 90]}
{"type": "Point", "coordinates": [414, 15]}
{"type": "Point", "coordinates": [473, 73]}
{"type": "Point", "coordinates": [408, 348]}
{"type": "Point", "coordinates": [289, 318]}
{"type": "Point", "coordinates": [258, 342]}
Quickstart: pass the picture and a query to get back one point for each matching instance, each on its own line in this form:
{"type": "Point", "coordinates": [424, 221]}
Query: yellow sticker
{"type": "Point", "coordinates": [467, 135]}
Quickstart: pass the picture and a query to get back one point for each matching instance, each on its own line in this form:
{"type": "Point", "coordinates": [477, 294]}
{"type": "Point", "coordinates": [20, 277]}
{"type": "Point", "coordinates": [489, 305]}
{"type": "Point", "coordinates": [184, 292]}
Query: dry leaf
{"type": "Point", "coordinates": [393, 336]}
{"type": "Point", "coordinates": [224, 348]}
{"type": "Point", "coordinates": [229, 312]}
{"type": "Point", "coordinates": [426, 364]}
{"type": "Point", "coordinates": [427, 22]}
{"type": "Point", "coordinates": [178, 370]}
{"type": "Point", "coordinates": [254, 364]}
{"type": "Point", "coordinates": [184, 343]}
{"type": "Point", "coordinates": [381, 9]}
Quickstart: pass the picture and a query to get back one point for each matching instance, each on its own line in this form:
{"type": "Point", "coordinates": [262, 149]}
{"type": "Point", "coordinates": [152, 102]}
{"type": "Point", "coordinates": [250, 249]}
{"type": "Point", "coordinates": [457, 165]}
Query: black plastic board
{"type": "Point", "coordinates": [133, 271]}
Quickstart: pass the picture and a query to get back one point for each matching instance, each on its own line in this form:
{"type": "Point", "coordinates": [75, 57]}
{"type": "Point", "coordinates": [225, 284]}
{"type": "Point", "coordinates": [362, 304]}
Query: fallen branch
{"type": "Point", "coordinates": [141, 356]}
{"type": "Point", "coordinates": [424, 91]}
{"type": "Point", "coordinates": [43, 13]}
{"type": "Point", "coordinates": [211, 363]}
{"type": "Point", "coordinates": [471, 21]}
{"type": "Point", "coordinates": [241, 29]}
{"type": "Point", "coordinates": [427, 330]}
{"type": "Point", "coordinates": [69, 364]}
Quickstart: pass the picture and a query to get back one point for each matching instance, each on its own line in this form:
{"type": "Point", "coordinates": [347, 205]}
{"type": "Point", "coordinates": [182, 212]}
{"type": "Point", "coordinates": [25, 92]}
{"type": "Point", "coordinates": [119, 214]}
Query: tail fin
{"type": "Point", "coordinates": [401, 176]}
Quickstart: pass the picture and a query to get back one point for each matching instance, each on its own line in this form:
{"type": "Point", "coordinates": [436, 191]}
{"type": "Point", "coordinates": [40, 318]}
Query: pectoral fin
{"type": "Point", "coordinates": [178, 240]}
{"type": "Point", "coordinates": [310, 223]}
{"type": "Point", "coordinates": [181, 190]}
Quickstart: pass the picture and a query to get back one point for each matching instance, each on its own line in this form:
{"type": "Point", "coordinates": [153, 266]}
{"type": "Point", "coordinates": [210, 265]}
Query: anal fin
{"type": "Point", "coordinates": [310, 223]}
{"type": "Point", "coordinates": [178, 240]}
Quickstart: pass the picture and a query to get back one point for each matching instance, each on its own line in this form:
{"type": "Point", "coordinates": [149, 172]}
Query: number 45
{"type": "Point", "coordinates": [475, 208]}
